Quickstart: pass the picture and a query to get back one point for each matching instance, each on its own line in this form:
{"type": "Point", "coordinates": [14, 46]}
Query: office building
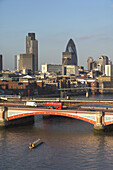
{"type": "Point", "coordinates": [17, 62]}
{"type": "Point", "coordinates": [24, 62]}
{"type": "Point", "coordinates": [109, 70]}
{"type": "Point", "coordinates": [69, 59]}
{"type": "Point", "coordinates": [99, 65]}
{"type": "Point", "coordinates": [94, 65]}
{"type": "Point", "coordinates": [0, 62]}
{"type": "Point", "coordinates": [32, 48]}
{"type": "Point", "coordinates": [52, 68]}
{"type": "Point", "coordinates": [70, 55]}
{"type": "Point", "coordinates": [70, 70]}
{"type": "Point", "coordinates": [103, 60]}
{"type": "Point", "coordinates": [89, 63]}
{"type": "Point", "coordinates": [27, 62]}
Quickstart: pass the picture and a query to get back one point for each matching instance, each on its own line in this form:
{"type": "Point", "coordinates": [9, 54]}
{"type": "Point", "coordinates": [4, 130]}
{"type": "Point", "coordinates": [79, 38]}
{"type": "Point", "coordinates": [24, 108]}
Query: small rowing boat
{"type": "Point", "coordinates": [35, 143]}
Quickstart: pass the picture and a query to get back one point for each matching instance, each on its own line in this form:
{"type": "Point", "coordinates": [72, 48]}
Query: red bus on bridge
{"type": "Point", "coordinates": [54, 105]}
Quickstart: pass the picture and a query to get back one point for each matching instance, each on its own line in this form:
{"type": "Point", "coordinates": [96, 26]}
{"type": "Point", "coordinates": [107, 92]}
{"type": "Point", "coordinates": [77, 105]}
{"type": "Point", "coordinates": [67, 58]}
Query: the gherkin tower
{"type": "Point", "coordinates": [70, 54]}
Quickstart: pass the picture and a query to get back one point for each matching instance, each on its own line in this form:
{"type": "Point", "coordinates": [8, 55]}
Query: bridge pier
{"type": "Point", "coordinates": [4, 122]}
{"type": "Point", "coordinates": [100, 125]}
{"type": "Point", "coordinates": [3, 116]}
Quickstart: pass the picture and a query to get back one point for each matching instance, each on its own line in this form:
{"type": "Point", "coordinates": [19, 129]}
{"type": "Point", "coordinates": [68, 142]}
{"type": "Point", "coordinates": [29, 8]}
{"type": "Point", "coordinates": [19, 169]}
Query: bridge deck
{"type": "Point", "coordinates": [88, 116]}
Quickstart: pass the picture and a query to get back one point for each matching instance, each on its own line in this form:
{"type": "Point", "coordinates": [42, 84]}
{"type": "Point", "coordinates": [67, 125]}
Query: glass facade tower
{"type": "Point", "coordinates": [70, 54]}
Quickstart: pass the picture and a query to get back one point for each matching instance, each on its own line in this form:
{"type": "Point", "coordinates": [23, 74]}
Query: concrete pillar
{"type": "Point", "coordinates": [3, 115]}
{"type": "Point", "coordinates": [100, 126]}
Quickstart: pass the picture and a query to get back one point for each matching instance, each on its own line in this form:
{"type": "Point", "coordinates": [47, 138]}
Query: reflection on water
{"type": "Point", "coordinates": [100, 96]}
{"type": "Point", "coordinates": [68, 144]}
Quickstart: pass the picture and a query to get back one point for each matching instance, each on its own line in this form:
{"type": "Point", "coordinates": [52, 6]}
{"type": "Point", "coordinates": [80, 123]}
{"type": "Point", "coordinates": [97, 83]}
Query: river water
{"type": "Point", "coordinates": [68, 144]}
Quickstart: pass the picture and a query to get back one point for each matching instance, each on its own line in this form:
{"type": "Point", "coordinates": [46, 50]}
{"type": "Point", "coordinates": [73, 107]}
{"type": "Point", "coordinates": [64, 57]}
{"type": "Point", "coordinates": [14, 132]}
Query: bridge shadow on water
{"type": "Point", "coordinates": [61, 123]}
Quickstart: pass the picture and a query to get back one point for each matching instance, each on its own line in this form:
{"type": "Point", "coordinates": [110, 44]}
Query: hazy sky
{"type": "Point", "coordinates": [88, 22]}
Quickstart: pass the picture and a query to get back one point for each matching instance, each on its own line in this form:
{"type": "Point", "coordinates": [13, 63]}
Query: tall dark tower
{"type": "Point", "coordinates": [70, 54]}
{"type": "Point", "coordinates": [32, 48]}
{"type": "Point", "coordinates": [0, 62]}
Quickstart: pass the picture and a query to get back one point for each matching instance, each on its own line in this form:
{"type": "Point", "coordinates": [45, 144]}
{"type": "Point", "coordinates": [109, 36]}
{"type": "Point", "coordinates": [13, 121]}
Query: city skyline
{"type": "Point", "coordinates": [88, 23]}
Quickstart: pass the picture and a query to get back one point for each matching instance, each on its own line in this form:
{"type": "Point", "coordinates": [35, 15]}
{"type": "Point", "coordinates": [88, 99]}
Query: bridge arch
{"type": "Point", "coordinates": [75, 115]}
{"type": "Point", "coordinates": [99, 119]}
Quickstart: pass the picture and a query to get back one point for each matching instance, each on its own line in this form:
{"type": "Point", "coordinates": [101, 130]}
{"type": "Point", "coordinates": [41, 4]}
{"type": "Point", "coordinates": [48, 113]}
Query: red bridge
{"type": "Point", "coordinates": [101, 120]}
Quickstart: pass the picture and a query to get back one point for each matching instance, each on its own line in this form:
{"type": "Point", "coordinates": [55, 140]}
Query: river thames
{"type": "Point", "coordinates": [68, 144]}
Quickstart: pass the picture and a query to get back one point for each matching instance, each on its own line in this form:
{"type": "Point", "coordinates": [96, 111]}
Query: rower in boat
{"type": "Point", "coordinates": [35, 143]}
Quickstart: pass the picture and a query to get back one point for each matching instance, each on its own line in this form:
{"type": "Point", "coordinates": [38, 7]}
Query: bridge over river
{"type": "Point", "coordinates": [65, 102]}
{"type": "Point", "coordinates": [78, 102]}
{"type": "Point", "coordinates": [11, 115]}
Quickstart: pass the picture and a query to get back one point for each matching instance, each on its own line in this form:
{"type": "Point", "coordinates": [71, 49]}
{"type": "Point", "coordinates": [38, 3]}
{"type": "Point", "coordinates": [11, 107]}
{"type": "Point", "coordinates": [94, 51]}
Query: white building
{"type": "Point", "coordinates": [70, 70]}
{"type": "Point", "coordinates": [109, 70]}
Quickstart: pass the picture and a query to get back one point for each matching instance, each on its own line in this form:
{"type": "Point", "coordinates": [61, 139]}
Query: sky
{"type": "Point", "coordinates": [88, 22]}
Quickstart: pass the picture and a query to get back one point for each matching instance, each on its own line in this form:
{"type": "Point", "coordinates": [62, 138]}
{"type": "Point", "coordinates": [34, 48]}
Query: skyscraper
{"type": "Point", "coordinates": [0, 62]}
{"type": "Point", "coordinates": [70, 54]}
{"type": "Point", "coordinates": [32, 48]}
{"type": "Point", "coordinates": [69, 59]}
{"type": "Point", "coordinates": [103, 60]}
{"type": "Point", "coordinates": [89, 63]}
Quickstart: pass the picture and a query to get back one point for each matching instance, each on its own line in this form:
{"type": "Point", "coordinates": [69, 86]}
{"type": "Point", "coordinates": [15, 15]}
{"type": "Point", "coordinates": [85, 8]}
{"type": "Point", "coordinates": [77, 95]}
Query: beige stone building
{"type": "Point", "coordinates": [26, 62]}
{"type": "Point", "coordinates": [29, 60]}
{"type": "Point", "coordinates": [32, 48]}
